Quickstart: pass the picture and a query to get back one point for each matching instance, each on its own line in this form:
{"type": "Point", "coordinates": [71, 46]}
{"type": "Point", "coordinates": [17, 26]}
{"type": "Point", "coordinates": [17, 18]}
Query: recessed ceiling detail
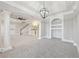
{"type": "Point", "coordinates": [31, 9]}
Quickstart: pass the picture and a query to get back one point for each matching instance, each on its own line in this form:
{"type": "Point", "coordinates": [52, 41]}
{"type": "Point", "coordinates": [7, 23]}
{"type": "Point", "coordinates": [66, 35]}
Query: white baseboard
{"type": "Point", "coordinates": [39, 38]}
{"type": "Point", "coordinates": [71, 41]}
{"type": "Point", "coordinates": [45, 37]}
{"type": "Point", "coordinates": [67, 40]}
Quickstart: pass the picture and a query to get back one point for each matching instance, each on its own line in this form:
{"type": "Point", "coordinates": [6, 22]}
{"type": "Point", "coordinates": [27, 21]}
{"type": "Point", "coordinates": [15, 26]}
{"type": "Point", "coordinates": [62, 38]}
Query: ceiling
{"type": "Point", "coordinates": [30, 9]}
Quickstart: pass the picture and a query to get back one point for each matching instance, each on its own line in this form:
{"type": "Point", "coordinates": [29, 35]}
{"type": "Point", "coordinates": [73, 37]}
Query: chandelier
{"type": "Point", "coordinates": [44, 12]}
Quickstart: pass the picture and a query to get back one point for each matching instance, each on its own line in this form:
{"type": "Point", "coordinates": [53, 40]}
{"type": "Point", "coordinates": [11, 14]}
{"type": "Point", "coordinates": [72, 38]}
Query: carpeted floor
{"type": "Point", "coordinates": [43, 49]}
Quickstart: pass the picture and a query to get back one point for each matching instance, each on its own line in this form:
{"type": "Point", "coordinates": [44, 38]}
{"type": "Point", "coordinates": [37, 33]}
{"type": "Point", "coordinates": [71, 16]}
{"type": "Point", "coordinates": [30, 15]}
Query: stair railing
{"type": "Point", "coordinates": [23, 28]}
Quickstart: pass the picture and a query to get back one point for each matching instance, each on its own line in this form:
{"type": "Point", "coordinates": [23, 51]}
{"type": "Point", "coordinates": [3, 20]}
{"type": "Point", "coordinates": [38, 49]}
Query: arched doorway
{"type": "Point", "coordinates": [57, 27]}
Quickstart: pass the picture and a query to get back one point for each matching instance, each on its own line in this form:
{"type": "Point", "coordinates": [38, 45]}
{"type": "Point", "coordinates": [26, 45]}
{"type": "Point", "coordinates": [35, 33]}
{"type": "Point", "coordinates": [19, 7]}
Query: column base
{"type": "Point", "coordinates": [2, 50]}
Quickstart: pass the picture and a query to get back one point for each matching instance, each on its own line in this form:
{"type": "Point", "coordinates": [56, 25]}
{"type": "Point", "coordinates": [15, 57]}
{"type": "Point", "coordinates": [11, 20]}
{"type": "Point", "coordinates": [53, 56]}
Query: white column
{"type": "Point", "coordinates": [45, 29]}
{"type": "Point", "coordinates": [48, 29]}
{"type": "Point", "coordinates": [39, 33]}
{"type": "Point", "coordinates": [6, 30]}
{"type": "Point", "coordinates": [0, 34]}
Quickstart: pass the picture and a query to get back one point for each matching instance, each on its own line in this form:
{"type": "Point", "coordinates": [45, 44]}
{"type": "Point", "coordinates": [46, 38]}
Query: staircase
{"type": "Point", "coordinates": [24, 27]}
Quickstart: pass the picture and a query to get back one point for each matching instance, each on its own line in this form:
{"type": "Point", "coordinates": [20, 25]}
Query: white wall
{"type": "Point", "coordinates": [71, 27]}
{"type": "Point", "coordinates": [68, 27]}
{"type": "Point", "coordinates": [76, 29]}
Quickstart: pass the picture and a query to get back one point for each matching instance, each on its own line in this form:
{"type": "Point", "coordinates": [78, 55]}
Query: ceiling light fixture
{"type": "Point", "coordinates": [44, 12]}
